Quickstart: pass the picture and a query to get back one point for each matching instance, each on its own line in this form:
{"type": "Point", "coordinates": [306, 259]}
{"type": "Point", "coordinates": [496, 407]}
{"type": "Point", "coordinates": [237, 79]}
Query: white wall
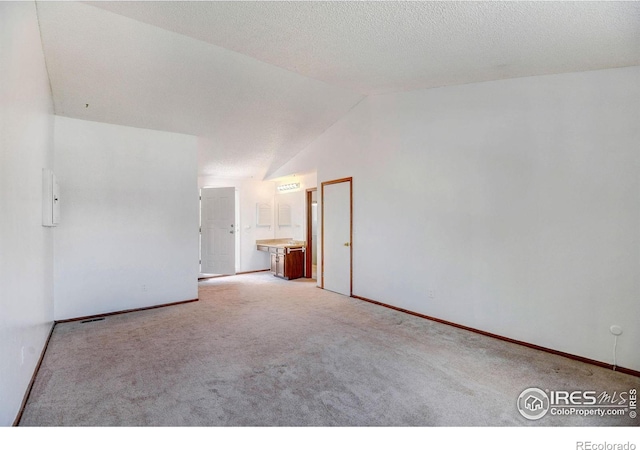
{"type": "Point", "coordinates": [128, 236]}
{"type": "Point", "coordinates": [516, 201]}
{"type": "Point", "coordinates": [26, 258]}
{"type": "Point", "coordinates": [298, 201]}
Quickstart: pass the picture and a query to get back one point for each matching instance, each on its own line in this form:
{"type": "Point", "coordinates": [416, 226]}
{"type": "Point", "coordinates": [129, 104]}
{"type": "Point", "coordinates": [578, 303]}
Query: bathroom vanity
{"type": "Point", "coordinates": [286, 257]}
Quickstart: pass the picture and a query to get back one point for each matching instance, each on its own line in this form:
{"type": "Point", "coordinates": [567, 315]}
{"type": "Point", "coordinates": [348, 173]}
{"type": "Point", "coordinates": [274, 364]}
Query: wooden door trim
{"type": "Point", "coordinates": [308, 261]}
{"type": "Point", "coordinates": [322, 185]}
{"type": "Point", "coordinates": [339, 180]}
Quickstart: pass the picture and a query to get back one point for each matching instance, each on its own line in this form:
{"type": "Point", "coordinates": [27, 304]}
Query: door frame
{"type": "Point", "coordinates": [323, 184]}
{"type": "Point", "coordinates": [308, 258]}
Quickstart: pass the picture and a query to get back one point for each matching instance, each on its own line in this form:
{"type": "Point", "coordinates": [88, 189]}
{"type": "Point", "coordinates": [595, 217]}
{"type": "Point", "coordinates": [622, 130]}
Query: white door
{"type": "Point", "coordinates": [217, 238]}
{"type": "Point", "coordinates": [336, 231]}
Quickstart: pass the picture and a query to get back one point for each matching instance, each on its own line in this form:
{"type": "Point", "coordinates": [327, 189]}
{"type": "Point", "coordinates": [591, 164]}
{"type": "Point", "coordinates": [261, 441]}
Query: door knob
{"type": "Point", "coordinates": [230, 232]}
{"type": "Point", "coordinates": [346, 244]}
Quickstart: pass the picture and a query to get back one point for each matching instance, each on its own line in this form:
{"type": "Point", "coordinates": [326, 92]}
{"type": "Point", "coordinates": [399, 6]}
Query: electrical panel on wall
{"type": "Point", "coordinates": [50, 199]}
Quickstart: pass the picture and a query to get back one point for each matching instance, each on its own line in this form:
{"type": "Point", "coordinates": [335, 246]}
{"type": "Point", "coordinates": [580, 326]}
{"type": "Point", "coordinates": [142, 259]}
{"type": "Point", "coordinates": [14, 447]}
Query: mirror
{"type": "Point", "coordinates": [284, 215]}
{"type": "Point", "coordinates": [263, 215]}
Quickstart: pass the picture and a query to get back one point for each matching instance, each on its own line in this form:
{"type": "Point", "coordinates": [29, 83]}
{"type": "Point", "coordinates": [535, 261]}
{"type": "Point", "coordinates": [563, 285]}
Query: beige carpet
{"type": "Point", "coordinates": [257, 350]}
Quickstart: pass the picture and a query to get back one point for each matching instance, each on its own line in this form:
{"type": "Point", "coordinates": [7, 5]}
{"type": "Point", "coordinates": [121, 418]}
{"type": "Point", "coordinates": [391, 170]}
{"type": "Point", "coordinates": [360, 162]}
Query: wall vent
{"type": "Point", "coordinates": [97, 319]}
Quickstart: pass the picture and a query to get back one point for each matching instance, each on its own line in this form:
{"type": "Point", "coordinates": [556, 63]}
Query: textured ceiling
{"type": "Point", "coordinates": [378, 47]}
{"type": "Point", "coordinates": [258, 81]}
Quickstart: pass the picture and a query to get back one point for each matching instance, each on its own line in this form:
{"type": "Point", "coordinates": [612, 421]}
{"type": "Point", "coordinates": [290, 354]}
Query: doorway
{"type": "Point", "coordinates": [218, 231]}
{"type": "Point", "coordinates": [337, 233]}
{"type": "Point", "coordinates": [311, 255]}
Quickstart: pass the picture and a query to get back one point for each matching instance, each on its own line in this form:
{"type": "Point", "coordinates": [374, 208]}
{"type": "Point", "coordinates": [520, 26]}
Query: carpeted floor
{"type": "Point", "coordinates": [257, 350]}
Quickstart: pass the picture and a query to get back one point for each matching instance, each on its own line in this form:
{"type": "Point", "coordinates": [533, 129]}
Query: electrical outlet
{"type": "Point", "coordinates": [144, 288]}
{"type": "Point", "coordinates": [432, 293]}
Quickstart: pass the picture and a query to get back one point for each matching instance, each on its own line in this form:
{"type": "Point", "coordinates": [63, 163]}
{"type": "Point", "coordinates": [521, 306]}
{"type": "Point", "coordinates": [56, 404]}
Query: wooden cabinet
{"type": "Point", "coordinates": [287, 263]}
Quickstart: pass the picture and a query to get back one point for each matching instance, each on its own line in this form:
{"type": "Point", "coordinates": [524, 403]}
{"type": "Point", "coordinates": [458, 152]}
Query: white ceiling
{"type": "Point", "coordinates": [258, 81]}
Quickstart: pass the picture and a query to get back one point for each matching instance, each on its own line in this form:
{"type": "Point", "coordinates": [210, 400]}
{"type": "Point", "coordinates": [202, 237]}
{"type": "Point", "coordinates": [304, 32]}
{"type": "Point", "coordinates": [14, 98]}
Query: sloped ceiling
{"type": "Point", "coordinates": [258, 81]}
